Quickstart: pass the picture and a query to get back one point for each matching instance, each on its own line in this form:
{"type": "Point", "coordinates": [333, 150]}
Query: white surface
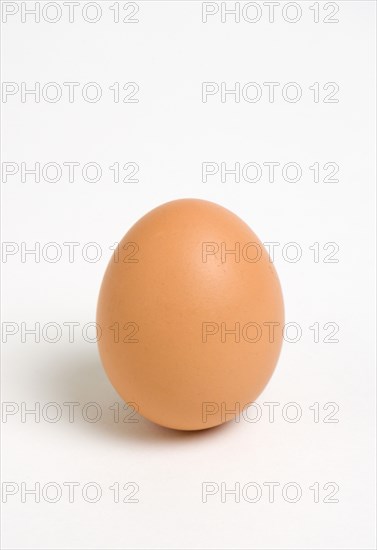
{"type": "Point", "coordinates": [169, 133]}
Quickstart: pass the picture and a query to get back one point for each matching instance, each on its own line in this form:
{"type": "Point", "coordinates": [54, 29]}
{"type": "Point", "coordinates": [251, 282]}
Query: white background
{"type": "Point", "coordinates": [169, 133]}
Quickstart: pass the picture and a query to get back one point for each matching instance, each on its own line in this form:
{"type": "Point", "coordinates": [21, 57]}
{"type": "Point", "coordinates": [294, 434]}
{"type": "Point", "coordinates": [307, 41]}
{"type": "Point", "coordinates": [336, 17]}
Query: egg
{"type": "Point", "coordinates": [191, 316]}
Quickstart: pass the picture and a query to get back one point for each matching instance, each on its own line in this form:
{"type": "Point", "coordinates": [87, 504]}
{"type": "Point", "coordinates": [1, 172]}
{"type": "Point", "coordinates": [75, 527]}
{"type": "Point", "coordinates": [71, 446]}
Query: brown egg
{"type": "Point", "coordinates": [191, 314]}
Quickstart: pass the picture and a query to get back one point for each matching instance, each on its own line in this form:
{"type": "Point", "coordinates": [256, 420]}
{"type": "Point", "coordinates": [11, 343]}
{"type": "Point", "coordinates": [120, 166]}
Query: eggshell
{"type": "Point", "coordinates": [191, 322]}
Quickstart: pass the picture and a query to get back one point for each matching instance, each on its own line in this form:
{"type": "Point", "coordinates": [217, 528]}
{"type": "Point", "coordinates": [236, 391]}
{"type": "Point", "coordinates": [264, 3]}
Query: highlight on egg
{"type": "Point", "coordinates": [191, 315]}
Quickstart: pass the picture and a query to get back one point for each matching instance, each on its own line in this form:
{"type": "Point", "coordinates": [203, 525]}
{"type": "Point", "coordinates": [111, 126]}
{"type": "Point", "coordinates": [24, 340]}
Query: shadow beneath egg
{"type": "Point", "coordinates": [80, 379]}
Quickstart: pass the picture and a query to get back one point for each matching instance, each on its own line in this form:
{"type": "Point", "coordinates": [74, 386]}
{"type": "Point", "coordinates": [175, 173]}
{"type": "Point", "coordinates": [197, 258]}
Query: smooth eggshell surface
{"type": "Point", "coordinates": [191, 315]}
